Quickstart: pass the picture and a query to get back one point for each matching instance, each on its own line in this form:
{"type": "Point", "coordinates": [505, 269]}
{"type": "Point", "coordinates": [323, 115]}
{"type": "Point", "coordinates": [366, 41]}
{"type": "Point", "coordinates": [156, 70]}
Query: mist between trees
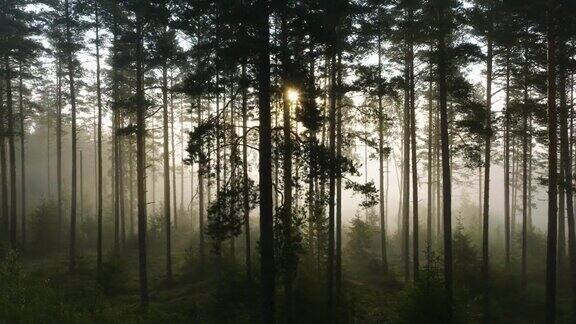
{"type": "Point", "coordinates": [261, 161]}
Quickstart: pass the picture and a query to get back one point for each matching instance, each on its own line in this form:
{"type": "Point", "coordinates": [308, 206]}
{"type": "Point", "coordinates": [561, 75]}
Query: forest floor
{"type": "Point", "coordinates": [42, 290]}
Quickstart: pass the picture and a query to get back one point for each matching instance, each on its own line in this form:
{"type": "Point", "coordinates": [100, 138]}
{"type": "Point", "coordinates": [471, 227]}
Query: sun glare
{"type": "Point", "coordinates": [293, 95]}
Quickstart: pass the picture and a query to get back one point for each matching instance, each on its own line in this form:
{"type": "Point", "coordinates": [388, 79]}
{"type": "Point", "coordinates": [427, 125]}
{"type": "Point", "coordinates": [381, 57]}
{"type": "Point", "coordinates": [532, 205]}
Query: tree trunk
{"type": "Point", "coordinates": [430, 163]}
{"type": "Point", "coordinates": [381, 157]}
{"type": "Point", "coordinates": [121, 193]}
{"type": "Point", "coordinates": [415, 220]}
{"type": "Point", "coordinates": [141, 162]}
{"type": "Point", "coordinates": [99, 145]}
{"type": "Point", "coordinates": [446, 176]}
{"type": "Point", "coordinates": [486, 206]}
{"type": "Point", "coordinates": [246, 180]}
{"type": "Point", "coordinates": [3, 167]}
{"type": "Point", "coordinates": [131, 185]}
{"type": "Point", "coordinates": [11, 151]}
{"type": "Point", "coordinates": [406, 171]}
{"type": "Point", "coordinates": [339, 140]}
{"type": "Point", "coordinates": [551, 243]}
{"type": "Point", "coordinates": [507, 122]}
{"type": "Point", "coordinates": [174, 202]}
{"type": "Point", "coordinates": [166, 157]}
{"type": "Point", "coordinates": [265, 166]}
{"type": "Point", "coordinates": [22, 157]}
{"type": "Point", "coordinates": [566, 163]}
{"type": "Point", "coordinates": [81, 187]}
{"type": "Point", "coordinates": [59, 151]}
{"type": "Point", "coordinates": [70, 62]}
{"type": "Point", "coordinates": [201, 171]}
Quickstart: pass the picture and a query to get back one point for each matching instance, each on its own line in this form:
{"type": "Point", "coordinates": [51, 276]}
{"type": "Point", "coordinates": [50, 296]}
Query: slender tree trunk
{"type": "Point", "coordinates": [265, 165]}
{"type": "Point", "coordinates": [437, 163]}
{"type": "Point", "coordinates": [121, 192]}
{"type": "Point", "coordinates": [174, 201]}
{"type": "Point", "coordinates": [486, 207]}
{"type": "Point", "coordinates": [339, 140]}
{"type": "Point", "coordinates": [287, 206]}
{"type": "Point", "coordinates": [22, 157]}
{"type": "Point", "coordinates": [551, 241]}
{"type": "Point", "coordinates": [181, 120]}
{"type": "Point", "coordinates": [430, 163]}
{"type": "Point", "coordinates": [515, 166]}
{"type": "Point", "coordinates": [415, 219]}
{"type": "Point", "coordinates": [73, 198]}
{"type": "Point", "coordinates": [141, 162]}
{"type": "Point", "coordinates": [81, 188]}
{"type": "Point", "coordinates": [406, 171]}
{"type": "Point", "coordinates": [446, 175]}
{"type": "Point", "coordinates": [246, 193]}
{"type": "Point", "coordinates": [116, 154]}
{"type": "Point", "coordinates": [3, 167]}
{"type": "Point", "coordinates": [59, 151]}
{"type": "Point", "coordinates": [381, 157]}
{"type": "Point", "coordinates": [11, 151]}
{"type": "Point", "coordinates": [48, 159]}
{"type": "Point", "coordinates": [566, 163]}
{"type": "Point", "coordinates": [166, 157]}
{"type": "Point", "coordinates": [524, 272]}
{"type": "Point", "coordinates": [99, 145]}
{"type": "Point", "coordinates": [507, 121]}
{"type": "Point", "coordinates": [131, 185]}
{"type": "Point", "coordinates": [202, 165]}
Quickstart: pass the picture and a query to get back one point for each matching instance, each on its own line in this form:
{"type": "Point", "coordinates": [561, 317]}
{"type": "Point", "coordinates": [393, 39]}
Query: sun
{"type": "Point", "coordinates": [292, 94]}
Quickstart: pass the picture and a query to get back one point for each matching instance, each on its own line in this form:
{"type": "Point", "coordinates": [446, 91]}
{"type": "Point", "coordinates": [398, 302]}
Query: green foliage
{"type": "Point", "coordinates": [43, 223]}
{"type": "Point", "coordinates": [114, 274]}
{"type": "Point", "coordinates": [29, 298]}
{"type": "Point", "coordinates": [226, 213]}
{"type": "Point", "coordinates": [359, 244]}
{"type": "Point", "coordinates": [367, 190]}
{"type": "Point", "coordinates": [466, 261]}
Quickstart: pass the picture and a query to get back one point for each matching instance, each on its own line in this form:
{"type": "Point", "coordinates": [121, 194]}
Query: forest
{"type": "Point", "coordinates": [287, 161]}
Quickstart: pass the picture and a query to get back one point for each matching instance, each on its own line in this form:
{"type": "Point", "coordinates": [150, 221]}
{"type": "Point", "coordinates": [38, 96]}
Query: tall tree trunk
{"type": "Point", "coordinates": [73, 198]}
{"type": "Point", "coordinates": [141, 162]}
{"type": "Point", "coordinates": [437, 163]}
{"type": "Point", "coordinates": [131, 184]}
{"type": "Point", "coordinates": [99, 145]}
{"type": "Point", "coordinates": [174, 202]}
{"type": "Point", "coordinates": [202, 170]}
{"type": "Point", "coordinates": [566, 163]}
{"type": "Point", "coordinates": [166, 157]}
{"type": "Point", "coordinates": [339, 140]}
{"type": "Point", "coordinates": [332, 182]}
{"type": "Point", "coordinates": [246, 180]}
{"type": "Point", "coordinates": [121, 189]}
{"type": "Point", "coordinates": [507, 121]}
{"type": "Point", "coordinates": [3, 167]}
{"type": "Point", "coordinates": [81, 187]}
{"type": "Point", "coordinates": [181, 121]}
{"type": "Point", "coordinates": [265, 165]}
{"type": "Point", "coordinates": [430, 163]}
{"type": "Point", "coordinates": [446, 175]}
{"type": "Point", "coordinates": [406, 171]}
{"type": "Point", "coordinates": [48, 159]}
{"type": "Point", "coordinates": [551, 240]}
{"type": "Point", "coordinates": [381, 157]}
{"type": "Point", "coordinates": [59, 150]}
{"type": "Point", "coordinates": [415, 220]}
{"type": "Point", "coordinates": [486, 206]}
{"type": "Point", "coordinates": [11, 151]}
{"type": "Point", "coordinates": [22, 157]}
{"type": "Point", "coordinates": [525, 130]}
{"type": "Point", "coordinates": [288, 270]}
